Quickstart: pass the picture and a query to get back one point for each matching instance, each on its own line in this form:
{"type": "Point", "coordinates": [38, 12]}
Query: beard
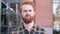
{"type": "Point", "coordinates": [28, 20]}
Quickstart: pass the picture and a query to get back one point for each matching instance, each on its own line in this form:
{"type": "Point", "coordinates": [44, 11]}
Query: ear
{"type": "Point", "coordinates": [34, 13]}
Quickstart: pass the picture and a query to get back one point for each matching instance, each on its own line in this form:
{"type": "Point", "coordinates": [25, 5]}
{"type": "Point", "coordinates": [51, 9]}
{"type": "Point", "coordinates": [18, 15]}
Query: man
{"type": "Point", "coordinates": [27, 12]}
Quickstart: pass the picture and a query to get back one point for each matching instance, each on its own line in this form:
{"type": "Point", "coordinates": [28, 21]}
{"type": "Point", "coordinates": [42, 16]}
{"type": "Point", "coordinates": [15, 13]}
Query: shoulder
{"type": "Point", "coordinates": [16, 29]}
{"type": "Point", "coordinates": [41, 30]}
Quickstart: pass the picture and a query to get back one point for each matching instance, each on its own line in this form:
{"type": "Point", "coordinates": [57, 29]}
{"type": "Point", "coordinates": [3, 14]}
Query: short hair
{"type": "Point", "coordinates": [26, 2]}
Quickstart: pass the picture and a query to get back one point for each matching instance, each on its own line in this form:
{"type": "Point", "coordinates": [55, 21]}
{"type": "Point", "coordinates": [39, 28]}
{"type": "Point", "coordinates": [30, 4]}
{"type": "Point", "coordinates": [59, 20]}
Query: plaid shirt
{"type": "Point", "coordinates": [21, 30]}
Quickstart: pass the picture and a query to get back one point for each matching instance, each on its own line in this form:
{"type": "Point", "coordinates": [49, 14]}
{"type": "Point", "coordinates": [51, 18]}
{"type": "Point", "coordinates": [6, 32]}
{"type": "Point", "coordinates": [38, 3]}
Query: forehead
{"type": "Point", "coordinates": [27, 6]}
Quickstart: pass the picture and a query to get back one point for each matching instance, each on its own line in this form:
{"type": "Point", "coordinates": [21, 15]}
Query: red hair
{"type": "Point", "coordinates": [27, 2]}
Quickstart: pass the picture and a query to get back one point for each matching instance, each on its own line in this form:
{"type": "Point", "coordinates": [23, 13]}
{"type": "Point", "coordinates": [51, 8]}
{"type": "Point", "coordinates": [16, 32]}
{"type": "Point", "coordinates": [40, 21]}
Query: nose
{"type": "Point", "coordinates": [27, 12]}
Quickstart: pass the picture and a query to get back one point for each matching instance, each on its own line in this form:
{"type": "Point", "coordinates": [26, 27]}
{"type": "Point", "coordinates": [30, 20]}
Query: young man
{"type": "Point", "coordinates": [27, 12]}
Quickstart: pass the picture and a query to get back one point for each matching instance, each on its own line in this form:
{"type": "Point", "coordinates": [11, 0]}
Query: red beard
{"type": "Point", "coordinates": [27, 21]}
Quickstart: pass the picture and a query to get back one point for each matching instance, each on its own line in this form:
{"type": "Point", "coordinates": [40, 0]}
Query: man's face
{"type": "Point", "coordinates": [27, 13]}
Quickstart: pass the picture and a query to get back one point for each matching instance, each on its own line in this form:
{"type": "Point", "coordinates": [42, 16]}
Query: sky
{"type": "Point", "coordinates": [55, 4]}
{"type": "Point", "coordinates": [54, 8]}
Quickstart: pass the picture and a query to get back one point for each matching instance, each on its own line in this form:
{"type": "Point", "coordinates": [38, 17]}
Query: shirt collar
{"type": "Point", "coordinates": [23, 28]}
{"type": "Point", "coordinates": [28, 26]}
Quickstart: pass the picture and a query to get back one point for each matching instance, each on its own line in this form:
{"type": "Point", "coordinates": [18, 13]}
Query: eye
{"type": "Point", "coordinates": [30, 10]}
{"type": "Point", "coordinates": [25, 10]}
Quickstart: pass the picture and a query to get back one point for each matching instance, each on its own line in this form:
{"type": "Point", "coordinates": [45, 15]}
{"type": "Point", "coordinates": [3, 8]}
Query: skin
{"type": "Point", "coordinates": [27, 13]}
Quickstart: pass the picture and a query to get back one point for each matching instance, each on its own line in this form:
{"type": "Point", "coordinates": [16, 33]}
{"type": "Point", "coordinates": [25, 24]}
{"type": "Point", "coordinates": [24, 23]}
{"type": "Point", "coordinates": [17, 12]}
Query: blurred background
{"type": "Point", "coordinates": [9, 15]}
{"type": "Point", "coordinates": [56, 16]}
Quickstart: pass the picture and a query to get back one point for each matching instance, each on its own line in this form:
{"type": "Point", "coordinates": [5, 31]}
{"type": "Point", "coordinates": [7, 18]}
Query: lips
{"type": "Point", "coordinates": [27, 16]}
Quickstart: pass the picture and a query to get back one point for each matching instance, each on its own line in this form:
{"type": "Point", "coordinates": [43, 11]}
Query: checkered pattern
{"type": "Point", "coordinates": [22, 30]}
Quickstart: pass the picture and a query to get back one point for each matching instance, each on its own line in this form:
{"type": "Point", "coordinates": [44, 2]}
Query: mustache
{"type": "Point", "coordinates": [27, 15]}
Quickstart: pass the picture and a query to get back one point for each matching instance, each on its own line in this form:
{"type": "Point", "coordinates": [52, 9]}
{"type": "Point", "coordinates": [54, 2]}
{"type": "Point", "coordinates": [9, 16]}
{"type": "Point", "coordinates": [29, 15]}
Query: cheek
{"type": "Point", "coordinates": [23, 14]}
{"type": "Point", "coordinates": [32, 14]}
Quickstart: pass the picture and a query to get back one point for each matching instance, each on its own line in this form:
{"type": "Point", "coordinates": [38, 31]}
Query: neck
{"type": "Point", "coordinates": [29, 25]}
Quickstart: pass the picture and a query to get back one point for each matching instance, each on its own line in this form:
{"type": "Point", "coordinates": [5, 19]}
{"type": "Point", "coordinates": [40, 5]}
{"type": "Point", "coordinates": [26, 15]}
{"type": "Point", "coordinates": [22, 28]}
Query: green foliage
{"type": "Point", "coordinates": [54, 17]}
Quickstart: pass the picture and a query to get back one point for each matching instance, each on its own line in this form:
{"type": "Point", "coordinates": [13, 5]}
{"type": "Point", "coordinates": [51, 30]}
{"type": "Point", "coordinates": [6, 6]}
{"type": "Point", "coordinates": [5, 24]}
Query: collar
{"type": "Point", "coordinates": [28, 26]}
{"type": "Point", "coordinates": [23, 28]}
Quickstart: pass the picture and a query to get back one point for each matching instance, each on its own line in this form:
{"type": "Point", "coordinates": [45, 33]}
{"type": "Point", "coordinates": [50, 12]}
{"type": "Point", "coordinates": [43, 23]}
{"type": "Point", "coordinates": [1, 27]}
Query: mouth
{"type": "Point", "coordinates": [27, 16]}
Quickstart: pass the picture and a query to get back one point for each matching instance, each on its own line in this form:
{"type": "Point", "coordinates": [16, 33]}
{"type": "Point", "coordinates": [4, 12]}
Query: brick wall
{"type": "Point", "coordinates": [44, 12]}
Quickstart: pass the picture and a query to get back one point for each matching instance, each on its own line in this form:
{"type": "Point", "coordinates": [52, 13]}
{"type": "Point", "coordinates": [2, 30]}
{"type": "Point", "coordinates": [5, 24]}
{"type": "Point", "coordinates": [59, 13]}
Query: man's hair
{"type": "Point", "coordinates": [27, 2]}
